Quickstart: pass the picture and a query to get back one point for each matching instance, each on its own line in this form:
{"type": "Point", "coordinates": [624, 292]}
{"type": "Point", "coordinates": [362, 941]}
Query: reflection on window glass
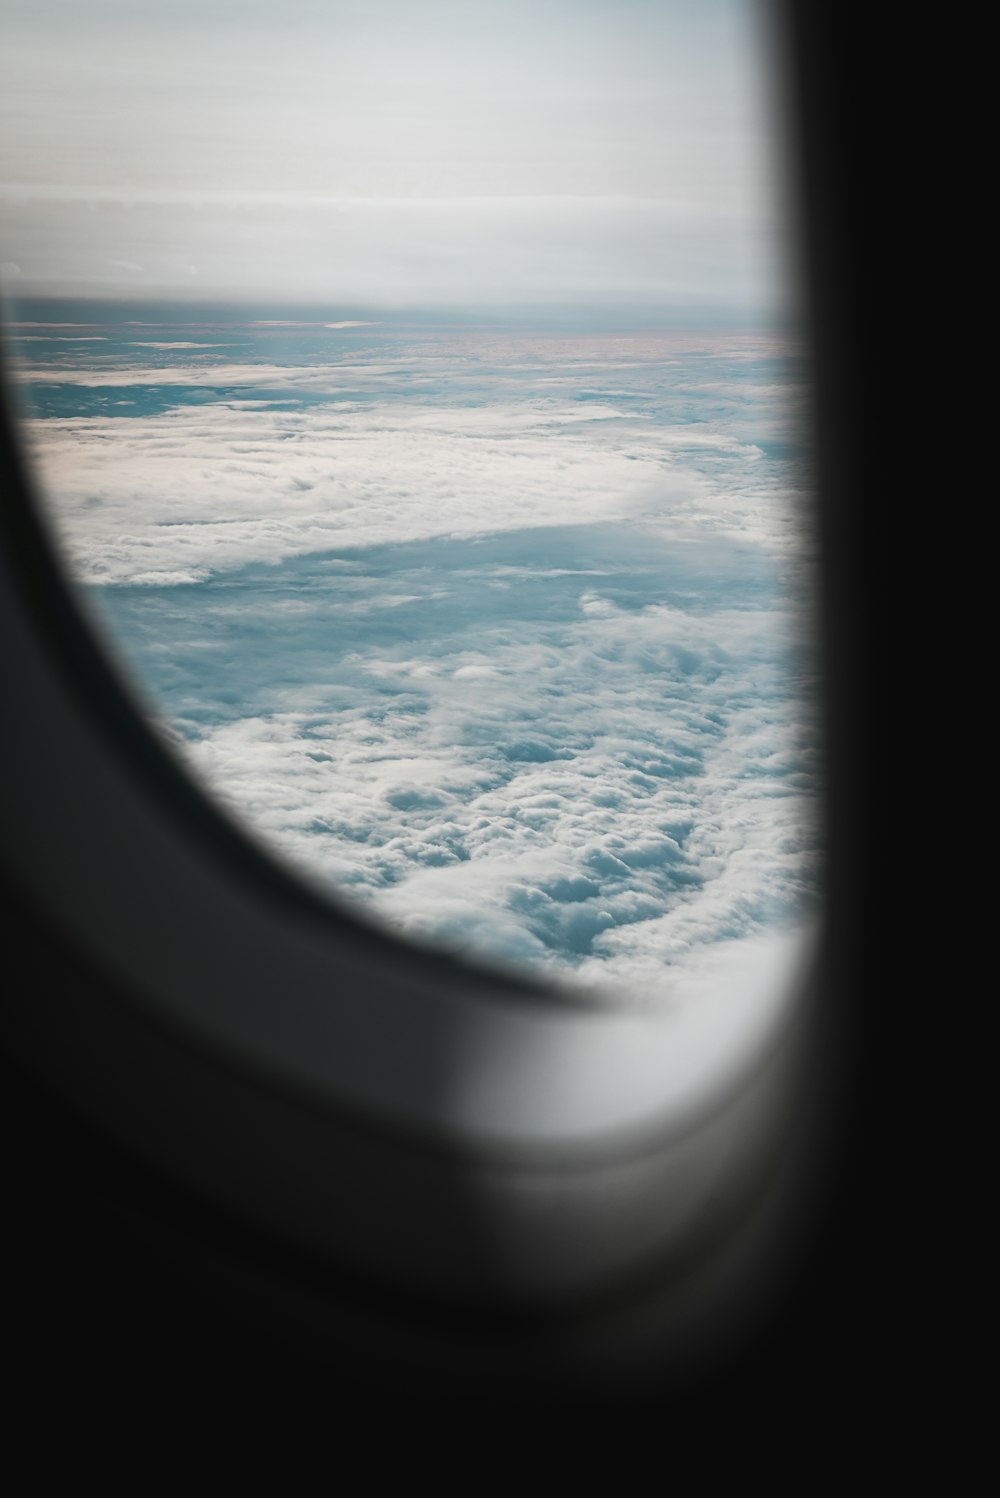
{"type": "Point", "coordinates": [417, 396]}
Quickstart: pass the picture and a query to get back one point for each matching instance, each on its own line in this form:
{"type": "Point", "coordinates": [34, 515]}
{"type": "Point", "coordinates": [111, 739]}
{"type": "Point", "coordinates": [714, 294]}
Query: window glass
{"type": "Point", "coordinates": [417, 396]}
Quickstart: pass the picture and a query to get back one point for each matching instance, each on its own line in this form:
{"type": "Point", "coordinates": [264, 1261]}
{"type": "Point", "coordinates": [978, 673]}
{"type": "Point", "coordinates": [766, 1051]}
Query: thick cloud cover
{"type": "Point", "coordinates": [502, 637]}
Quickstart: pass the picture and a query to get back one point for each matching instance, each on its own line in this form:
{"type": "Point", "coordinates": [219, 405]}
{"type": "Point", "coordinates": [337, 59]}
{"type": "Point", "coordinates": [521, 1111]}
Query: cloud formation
{"type": "Point", "coordinates": [500, 638]}
{"type": "Point", "coordinates": [222, 463]}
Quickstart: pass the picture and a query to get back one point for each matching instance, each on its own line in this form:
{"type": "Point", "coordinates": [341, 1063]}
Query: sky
{"type": "Point", "coordinates": [387, 153]}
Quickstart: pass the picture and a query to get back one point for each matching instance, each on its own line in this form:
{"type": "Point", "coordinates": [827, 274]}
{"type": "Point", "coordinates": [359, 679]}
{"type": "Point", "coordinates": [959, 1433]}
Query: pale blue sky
{"type": "Point", "coordinates": [389, 153]}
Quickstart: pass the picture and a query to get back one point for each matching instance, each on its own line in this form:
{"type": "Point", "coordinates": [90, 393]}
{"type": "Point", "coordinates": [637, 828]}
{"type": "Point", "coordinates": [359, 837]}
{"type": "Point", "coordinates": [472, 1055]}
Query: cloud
{"type": "Point", "coordinates": [618, 792]}
{"type": "Point", "coordinates": [375, 448]}
{"type": "Point", "coordinates": [498, 638]}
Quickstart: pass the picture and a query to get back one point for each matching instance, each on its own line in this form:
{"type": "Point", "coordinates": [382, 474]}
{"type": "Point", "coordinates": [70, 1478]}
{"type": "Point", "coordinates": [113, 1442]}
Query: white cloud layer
{"type": "Point", "coordinates": [198, 487]}
{"type": "Point", "coordinates": [500, 638]}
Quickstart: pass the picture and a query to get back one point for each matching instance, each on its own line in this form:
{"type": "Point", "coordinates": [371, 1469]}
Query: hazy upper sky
{"type": "Point", "coordinates": [393, 152]}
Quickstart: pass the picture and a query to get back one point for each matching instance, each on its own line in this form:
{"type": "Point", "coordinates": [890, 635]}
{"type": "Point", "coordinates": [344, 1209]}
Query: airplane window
{"type": "Point", "coordinates": [410, 418]}
{"type": "Point", "coordinates": [416, 393]}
